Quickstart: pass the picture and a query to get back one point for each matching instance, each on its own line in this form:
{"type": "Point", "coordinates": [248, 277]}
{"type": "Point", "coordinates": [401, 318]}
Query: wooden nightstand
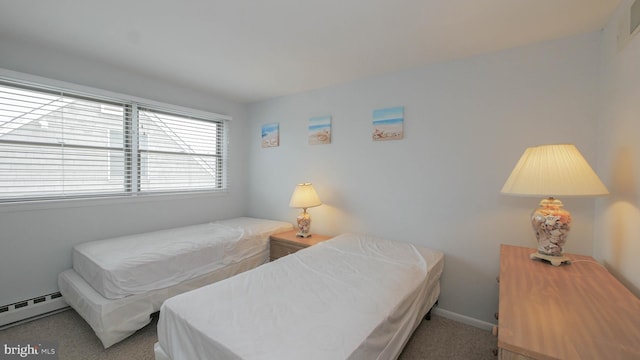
{"type": "Point", "coordinates": [286, 243]}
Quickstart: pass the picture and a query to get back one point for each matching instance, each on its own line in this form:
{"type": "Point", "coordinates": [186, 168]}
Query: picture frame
{"type": "Point", "coordinates": [388, 124]}
{"type": "Point", "coordinates": [270, 135]}
{"type": "Point", "coordinates": [320, 130]}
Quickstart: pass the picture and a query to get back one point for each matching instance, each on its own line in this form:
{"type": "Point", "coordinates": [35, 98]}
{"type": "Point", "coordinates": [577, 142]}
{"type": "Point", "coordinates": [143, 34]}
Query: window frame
{"type": "Point", "coordinates": [130, 137]}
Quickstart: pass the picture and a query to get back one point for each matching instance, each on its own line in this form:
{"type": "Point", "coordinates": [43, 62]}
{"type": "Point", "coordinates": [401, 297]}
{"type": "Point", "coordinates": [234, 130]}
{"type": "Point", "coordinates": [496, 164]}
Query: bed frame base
{"type": "Point", "coordinates": [428, 316]}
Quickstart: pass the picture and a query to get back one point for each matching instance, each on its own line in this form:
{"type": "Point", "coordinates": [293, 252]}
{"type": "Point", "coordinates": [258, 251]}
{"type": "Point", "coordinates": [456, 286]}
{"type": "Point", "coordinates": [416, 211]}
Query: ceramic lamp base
{"type": "Point", "coordinates": [304, 224]}
{"type": "Point", "coordinates": [554, 260]}
{"type": "Point", "coordinates": [551, 224]}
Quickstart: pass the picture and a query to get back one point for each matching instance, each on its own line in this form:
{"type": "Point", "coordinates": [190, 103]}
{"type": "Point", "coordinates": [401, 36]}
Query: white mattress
{"type": "Point", "coordinates": [115, 319]}
{"type": "Point", "coordinates": [352, 297]}
{"type": "Point", "coordinates": [140, 263]}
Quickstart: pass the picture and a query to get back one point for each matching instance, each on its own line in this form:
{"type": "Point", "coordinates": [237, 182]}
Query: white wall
{"type": "Point", "coordinates": [466, 124]}
{"type": "Point", "coordinates": [618, 217]}
{"type": "Point", "coordinates": [36, 240]}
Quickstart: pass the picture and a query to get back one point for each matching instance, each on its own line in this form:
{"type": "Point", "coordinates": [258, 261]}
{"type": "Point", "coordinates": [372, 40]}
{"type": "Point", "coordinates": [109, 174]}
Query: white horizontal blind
{"type": "Point", "coordinates": [60, 144]}
{"type": "Point", "coordinates": [55, 145]}
{"type": "Point", "coordinates": [179, 151]}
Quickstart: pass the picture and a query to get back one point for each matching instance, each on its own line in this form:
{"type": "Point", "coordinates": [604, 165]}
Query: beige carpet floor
{"type": "Point", "coordinates": [438, 338]}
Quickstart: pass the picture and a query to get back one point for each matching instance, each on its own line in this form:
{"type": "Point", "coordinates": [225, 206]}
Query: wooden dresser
{"type": "Point", "coordinates": [576, 311]}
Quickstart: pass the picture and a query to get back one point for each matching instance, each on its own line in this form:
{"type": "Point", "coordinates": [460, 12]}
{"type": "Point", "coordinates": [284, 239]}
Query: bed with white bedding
{"type": "Point", "coordinates": [116, 284]}
{"type": "Point", "coordinates": [351, 297]}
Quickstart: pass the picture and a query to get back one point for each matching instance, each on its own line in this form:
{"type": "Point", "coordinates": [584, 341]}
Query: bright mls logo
{"type": "Point", "coordinates": [31, 350]}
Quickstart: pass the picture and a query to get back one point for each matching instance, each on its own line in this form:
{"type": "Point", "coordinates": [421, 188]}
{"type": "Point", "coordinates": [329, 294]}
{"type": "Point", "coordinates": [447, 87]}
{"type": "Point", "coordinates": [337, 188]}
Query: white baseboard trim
{"type": "Point", "coordinates": [31, 312]}
{"type": "Point", "coordinates": [463, 319]}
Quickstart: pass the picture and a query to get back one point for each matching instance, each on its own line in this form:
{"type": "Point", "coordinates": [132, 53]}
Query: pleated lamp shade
{"type": "Point", "coordinates": [304, 196]}
{"type": "Point", "coordinates": [553, 170]}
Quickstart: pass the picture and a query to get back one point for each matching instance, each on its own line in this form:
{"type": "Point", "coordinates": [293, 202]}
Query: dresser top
{"type": "Point", "coordinates": [576, 311]}
{"type": "Point", "coordinates": [291, 238]}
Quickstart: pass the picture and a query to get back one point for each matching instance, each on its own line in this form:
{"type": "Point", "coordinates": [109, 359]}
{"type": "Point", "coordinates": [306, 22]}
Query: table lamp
{"type": "Point", "coordinates": [550, 171]}
{"type": "Point", "coordinates": [304, 196]}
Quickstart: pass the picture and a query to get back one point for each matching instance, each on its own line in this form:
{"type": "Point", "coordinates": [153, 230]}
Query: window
{"type": "Point", "coordinates": [56, 144]}
{"type": "Point", "coordinates": [178, 152]}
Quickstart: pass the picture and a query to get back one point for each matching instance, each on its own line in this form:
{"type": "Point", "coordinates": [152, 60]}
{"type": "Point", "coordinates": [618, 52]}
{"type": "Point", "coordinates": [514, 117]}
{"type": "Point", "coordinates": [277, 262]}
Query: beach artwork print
{"type": "Point", "coordinates": [387, 123]}
{"type": "Point", "coordinates": [270, 135]}
{"type": "Point", "coordinates": [320, 130]}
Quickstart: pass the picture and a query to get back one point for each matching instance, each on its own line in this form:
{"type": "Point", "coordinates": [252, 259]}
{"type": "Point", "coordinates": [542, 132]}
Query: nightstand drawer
{"type": "Point", "coordinates": [286, 243]}
{"type": "Point", "coordinates": [279, 249]}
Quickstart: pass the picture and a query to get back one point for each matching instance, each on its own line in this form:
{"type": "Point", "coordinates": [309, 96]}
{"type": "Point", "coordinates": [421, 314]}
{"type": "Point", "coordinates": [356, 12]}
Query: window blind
{"type": "Point", "coordinates": [58, 144]}
{"type": "Point", "coordinates": [179, 151]}
{"type": "Point", "coordinates": [54, 144]}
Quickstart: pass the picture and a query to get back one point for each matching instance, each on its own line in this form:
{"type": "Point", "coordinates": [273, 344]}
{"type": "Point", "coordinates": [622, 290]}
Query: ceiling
{"type": "Point", "coordinates": [250, 50]}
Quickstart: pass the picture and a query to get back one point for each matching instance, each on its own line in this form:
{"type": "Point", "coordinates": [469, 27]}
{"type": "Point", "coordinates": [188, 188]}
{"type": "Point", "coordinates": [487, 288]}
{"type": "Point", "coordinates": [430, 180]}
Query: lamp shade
{"type": "Point", "coordinates": [304, 196]}
{"type": "Point", "coordinates": [553, 170]}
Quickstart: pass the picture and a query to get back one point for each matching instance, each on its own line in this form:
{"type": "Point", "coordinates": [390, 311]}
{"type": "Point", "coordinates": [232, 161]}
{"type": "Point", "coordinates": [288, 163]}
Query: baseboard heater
{"type": "Point", "coordinates": [30, 309]}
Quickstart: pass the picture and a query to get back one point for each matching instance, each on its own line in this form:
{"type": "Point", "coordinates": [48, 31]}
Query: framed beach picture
{"type": "Point", "coordinates": [388, 123]}
{"type": "Point", "coordinates": [320, 130]}
{"type": "Point", "coordinates": [270, 135]}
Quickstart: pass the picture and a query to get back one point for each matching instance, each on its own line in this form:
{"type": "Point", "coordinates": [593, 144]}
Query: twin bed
{"type": "Point", "coordinates": [116, 284]}
{"type": "Point", "coordinates": [351, 297]}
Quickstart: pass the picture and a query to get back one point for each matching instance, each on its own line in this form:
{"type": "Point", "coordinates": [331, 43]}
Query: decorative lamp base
{"type": "Point", "coordinates": [551, 224]}
{"type": "Point", "coordinates": [304, 224]}
{"type": "Point", "coordinates": [554, 260]}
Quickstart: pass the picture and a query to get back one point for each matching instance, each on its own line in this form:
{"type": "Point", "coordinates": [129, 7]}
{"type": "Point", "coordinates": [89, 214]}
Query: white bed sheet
{"type": "Point", "coordinates": [137, 264]}
{"type": "Point", "coordinates": [352, 297]}
{"type": "Point", "coordinates": [115, 319]}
